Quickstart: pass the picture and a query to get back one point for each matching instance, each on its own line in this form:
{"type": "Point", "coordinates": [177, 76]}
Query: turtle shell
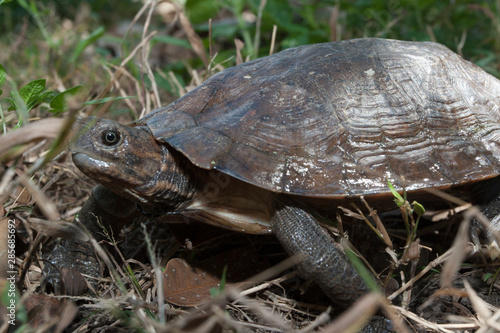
{"type": "Point", "coordinates": [339, 119]}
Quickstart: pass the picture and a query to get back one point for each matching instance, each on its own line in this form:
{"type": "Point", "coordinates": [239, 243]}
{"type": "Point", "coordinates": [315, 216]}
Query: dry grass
{"type": "Point", "coordinates": [129, 297]}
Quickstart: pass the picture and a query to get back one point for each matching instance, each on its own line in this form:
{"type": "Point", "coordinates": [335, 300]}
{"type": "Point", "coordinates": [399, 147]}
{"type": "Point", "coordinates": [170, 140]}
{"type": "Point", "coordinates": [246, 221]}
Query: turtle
{"type": "Point", "coordinates": [257, 146]}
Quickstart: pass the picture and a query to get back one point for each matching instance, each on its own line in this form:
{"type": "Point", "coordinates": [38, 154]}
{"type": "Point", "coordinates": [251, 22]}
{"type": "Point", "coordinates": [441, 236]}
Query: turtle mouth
{"type": "Point", "coordinates": [100, 171]}
{"type": "Point", "coordinates": [89, 165]}
{"type": "Point", "coordinates": [80, 160]}
{"type": "Point", "coordinates": [84, 163]}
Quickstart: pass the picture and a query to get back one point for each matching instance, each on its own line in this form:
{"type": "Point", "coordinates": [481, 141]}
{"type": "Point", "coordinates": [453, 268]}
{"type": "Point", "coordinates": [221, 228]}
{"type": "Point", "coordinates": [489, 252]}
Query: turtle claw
{"type": "Point", "coordinates": [65, 264]}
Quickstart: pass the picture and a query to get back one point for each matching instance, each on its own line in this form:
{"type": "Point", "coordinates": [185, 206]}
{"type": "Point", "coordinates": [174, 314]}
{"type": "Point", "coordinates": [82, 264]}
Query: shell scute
{"type": "Point", "coordinates": [340, 118]}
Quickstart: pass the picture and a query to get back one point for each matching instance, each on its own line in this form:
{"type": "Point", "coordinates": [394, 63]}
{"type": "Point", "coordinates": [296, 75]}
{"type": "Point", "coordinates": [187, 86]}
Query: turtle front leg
{"type": "Point", "coordinates": [103, 209]}
{"type": "Point", "coordinates": [324, 260]}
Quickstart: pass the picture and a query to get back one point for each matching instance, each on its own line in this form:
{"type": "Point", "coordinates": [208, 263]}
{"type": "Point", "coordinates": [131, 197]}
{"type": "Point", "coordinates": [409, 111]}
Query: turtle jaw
{"type": "Point", "coordinates": [96, 169]}
{"type": "Point", "coordinates": [111, 176]}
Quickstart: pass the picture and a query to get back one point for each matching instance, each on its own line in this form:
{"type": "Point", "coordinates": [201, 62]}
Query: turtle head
{"type": "Point", "coordinates": [127, 160]}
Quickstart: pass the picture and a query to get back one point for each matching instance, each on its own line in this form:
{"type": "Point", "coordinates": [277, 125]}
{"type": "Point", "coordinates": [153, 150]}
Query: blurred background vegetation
{"type": "Point", "coordinates": [73, 42]}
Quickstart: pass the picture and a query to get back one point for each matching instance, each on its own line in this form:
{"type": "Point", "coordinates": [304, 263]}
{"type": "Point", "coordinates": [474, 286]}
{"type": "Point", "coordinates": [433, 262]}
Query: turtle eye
{"type": "Point", "coordinates": [110, 138]}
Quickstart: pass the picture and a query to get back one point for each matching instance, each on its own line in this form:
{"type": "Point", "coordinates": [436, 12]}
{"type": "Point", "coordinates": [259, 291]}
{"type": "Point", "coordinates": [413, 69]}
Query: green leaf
{"type": "Point", "coordinates": [487, 276]}
{"type": "Point", "coordinates": [397, 197]}
{"type": "Point", "coordinates": [12, 104]}
{"type": "Point", "coordinates": [3, 76]}
{"type": "Point", "coordinates": [22, 208]}
{"type": "Point", "coordinates": [223, 279]}
{"type": "Point", "coordinates": [39, 99]}
{"type": "Point", "coordinates": [214, 292]}
{"type": "Point", "coordinates": [418, 208]}
{"type": "Point", "coordinates": [201, 11]}
{"type": "Point", "coordinates": [4, 1]}
{"type": "Point", "coordinates": [32, 90]}
{"type": "Point", "coordinates": [107, 99]}
{"type": "Point", "coordinates": [29, 96]}
{"type": "Point", "coordinates": [83, 43]}
{"type": "Point", "coordinates": [57, 104]}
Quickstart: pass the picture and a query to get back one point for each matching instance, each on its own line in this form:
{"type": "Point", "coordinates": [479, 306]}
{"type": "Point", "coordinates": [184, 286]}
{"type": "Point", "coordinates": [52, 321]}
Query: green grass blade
{"type": "Point", "coordinates": [362, 270]}
{"type": "Point", "coordinates": [57, 104]}
{"type": "Point", "coordinates": [106, 100]}
{"type": "Point", "coordinates": [82, 44]}
{"type": "Point", "coordinates": [3, 75]}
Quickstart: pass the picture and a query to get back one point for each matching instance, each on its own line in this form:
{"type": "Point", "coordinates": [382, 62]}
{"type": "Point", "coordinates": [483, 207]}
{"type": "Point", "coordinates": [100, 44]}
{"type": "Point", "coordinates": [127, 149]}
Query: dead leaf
{"type": "Point", "coordinates": [239, 46]}
{"type": "Point", "coordinates": [190, 285]}
{"type": "Point", "coordinates": [45, 310]}
{"type": "Point", "coordinates": [36, 131]}
{"type": "Point", "coordinates": [193, 38]}
{"type": "Point", "coordinates": [185, 285]}
{"type": "Point", "coordinates": [20, 194]}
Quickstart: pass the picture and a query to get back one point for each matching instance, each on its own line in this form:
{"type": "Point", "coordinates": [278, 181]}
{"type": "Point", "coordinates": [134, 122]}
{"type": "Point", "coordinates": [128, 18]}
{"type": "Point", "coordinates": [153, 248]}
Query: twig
{"type": "Point", "coordinates": [439, 260]}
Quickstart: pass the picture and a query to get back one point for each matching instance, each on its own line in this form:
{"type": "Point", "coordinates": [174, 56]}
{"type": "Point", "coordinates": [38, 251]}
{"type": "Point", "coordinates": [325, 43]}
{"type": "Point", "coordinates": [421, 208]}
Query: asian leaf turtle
{"type": "Point", "coordinates": [256, 145]}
